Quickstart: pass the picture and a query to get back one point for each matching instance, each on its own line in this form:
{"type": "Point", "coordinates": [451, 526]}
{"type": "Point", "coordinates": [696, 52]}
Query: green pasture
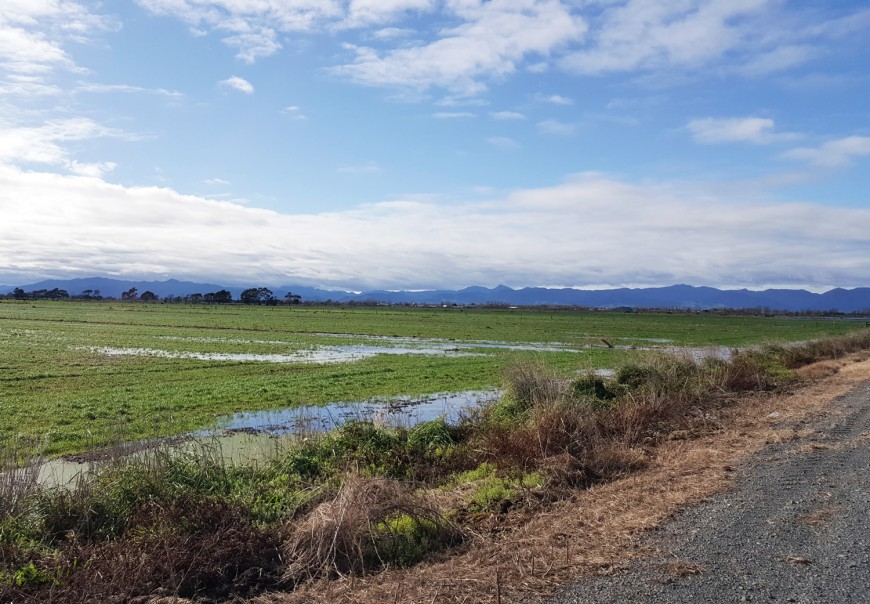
{"type": "Point", "coordinates": [60, 380]}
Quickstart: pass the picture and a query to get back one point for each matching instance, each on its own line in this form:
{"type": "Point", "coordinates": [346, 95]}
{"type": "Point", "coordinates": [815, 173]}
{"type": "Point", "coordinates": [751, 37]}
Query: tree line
{"type": "Point", "coordinates": [252, 295]}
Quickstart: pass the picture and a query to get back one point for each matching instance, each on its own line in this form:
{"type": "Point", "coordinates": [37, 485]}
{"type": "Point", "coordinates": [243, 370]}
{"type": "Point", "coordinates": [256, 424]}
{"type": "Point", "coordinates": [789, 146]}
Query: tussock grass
{"type": "Point", "coordinates": [371, 523]}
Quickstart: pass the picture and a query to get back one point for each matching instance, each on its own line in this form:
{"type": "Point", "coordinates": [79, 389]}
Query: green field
{"type": "Point", "coordinates": [79, 374]}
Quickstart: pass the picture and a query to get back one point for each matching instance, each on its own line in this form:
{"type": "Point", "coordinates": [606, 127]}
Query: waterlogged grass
{"type": "Point", "coordinates": [60, 381]}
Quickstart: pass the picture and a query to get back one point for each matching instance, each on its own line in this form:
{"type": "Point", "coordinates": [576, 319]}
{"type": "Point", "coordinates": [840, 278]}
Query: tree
{"type": "Point", "coordinates": [130, 294]}
{"type": "Point", "coordinates": [258, 295]}
{"type": "Point", "coordinates": [19, 294]}
{"type": "Point", "coordinates": [219, 297]}
{"type": "Point", "coordinates": [292, 298]}
{"type": "Point", "coordinates": [148, 297]}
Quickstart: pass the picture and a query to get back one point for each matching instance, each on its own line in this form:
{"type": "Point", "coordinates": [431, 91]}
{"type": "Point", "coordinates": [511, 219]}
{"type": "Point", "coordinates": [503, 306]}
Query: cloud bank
{"type": "Point", "coordinates": [592, 230]}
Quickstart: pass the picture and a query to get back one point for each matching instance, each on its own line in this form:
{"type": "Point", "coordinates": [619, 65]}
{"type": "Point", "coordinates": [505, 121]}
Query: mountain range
{"type": "Point", "coordinates": [670, 297]}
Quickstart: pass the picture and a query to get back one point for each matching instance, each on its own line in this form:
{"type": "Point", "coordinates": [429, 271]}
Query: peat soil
{"type": "Point", "coordinates": [793, 527]}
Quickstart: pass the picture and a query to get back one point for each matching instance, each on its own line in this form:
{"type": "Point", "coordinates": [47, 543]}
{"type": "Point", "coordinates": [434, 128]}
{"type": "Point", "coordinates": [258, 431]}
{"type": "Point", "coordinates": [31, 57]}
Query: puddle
{"type": "Point", "coordinates": [331, 354]}
{"type": "Point", "coordinates": [396, 412]}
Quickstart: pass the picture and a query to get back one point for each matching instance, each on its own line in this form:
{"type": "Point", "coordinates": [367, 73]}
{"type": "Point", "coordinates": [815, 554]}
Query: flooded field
{"type": "Point", "coordinates": [78, 375]}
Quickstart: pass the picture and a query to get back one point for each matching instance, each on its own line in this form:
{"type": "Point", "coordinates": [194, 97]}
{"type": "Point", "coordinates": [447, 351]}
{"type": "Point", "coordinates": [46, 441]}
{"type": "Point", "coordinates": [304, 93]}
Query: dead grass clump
{"type": "Point", "coordinates": [532, 384]}
{"type": "Point", "coordinates": [745, 373]}
{"type": "Point", "coordinates": [371, 523]}
{"type": "Point", "coordinates": [817, 371]}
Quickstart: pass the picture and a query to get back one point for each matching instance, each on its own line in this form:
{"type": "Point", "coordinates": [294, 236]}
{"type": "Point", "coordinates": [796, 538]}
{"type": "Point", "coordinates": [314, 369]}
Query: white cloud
{"type": "Point", "coordinates": [503, 142]}
{"type": "Point", "coordinates": [294, 112]}
{"type": "Point", "coordinates": [390, 33]}
{"type": "Point", "coordinates": [216, 182]}
{"type": "Point", "coordinates": [369, 167]}
{"type": "Point", "coordinates": [491, 39]}
{"type": "Point", "coordinates": [758, 130]}
{"type": "Point", "coordinates": [45, 144]}
{"type": "Point", "coordinates": [751, 37]}
{"type": "Point", "coordinates": [557, 128]}
{"type": "Point", "coordinates": [237, 83]}
{"type": "Point", "coordinates": [507, 115]}
{"type": "Point", "coordinates": [126, 89]}
{"type": "Point", "coordinates": [33, 33]}
{"type": "Point", "coordinates": [368, 12]}
{"type": "Point", "coordinates": [554, 99]}
{"type": "Point", "coordinates": [590, 230]}
{"type": "Point", "coordinates": [452, 115]}
{"type": "Point", "coordinates": [249, 26]}
{"type": "Point", "coordinates": [833, 154]}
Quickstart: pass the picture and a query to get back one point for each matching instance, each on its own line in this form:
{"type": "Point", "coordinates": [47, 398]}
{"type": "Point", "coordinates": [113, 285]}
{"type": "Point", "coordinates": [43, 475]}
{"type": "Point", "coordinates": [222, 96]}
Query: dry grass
{"type": "Point", "coordinates": [820, 516]}
{"type": "Point", "coordinates": [370, 523]}
{"type": "Point", "coordinates": [596, 530]}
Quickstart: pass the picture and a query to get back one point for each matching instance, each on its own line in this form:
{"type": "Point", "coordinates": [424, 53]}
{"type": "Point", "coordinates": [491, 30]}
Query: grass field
{"type": "Point", "coordinates": [77, 375]}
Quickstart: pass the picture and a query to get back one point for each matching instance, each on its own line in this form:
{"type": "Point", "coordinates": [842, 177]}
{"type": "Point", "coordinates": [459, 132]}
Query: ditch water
{"type": "Point", "coordinates": [403, 411]}
{"type": "Point", "coordinates": [255, 436]}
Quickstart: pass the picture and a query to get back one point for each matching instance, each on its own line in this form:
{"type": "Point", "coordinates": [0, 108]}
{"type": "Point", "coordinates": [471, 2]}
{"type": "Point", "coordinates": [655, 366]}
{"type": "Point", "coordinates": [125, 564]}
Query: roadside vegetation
{"type": "Point", "coordinates": [365, 497]}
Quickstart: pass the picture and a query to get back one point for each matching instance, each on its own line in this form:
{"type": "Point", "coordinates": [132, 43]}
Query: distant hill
{"type": "Point", "coordinates": [674, 296]}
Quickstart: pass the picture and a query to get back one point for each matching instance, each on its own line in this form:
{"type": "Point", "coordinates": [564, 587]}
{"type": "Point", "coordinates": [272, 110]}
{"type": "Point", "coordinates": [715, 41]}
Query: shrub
{"type": "Point", "coordinates": [427, 436]}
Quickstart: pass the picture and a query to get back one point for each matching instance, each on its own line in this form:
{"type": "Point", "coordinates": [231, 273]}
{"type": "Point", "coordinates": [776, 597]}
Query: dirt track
{"type": "Point", "coordinates": [794, 527]}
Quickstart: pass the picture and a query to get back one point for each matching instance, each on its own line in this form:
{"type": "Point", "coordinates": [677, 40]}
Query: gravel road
{"type": "Point", "coordinates": [795, 527]}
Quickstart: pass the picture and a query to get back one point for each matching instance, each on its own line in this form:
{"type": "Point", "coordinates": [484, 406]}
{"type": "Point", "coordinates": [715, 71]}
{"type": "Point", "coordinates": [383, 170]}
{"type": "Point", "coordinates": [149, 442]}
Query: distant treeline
{"type": "Point", "coordinates": [264, 296]}
{"type": "Point", "coordinates": [252, 295]}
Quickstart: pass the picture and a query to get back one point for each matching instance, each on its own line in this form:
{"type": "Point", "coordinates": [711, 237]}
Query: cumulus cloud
{"type": "Point", "coordinates": [33, 33]}
{"type": "Point", "coordinates": [468, 43]}
{"type": "Point", "coordinates": [367, 12]}
{"type": "Point", "coordinates": [754, 37]}
{"type": "Point", "coordinates": [369, 167]}
{"type": "Point", "coordinates": [503, 142]}
{"type": "Point", "coordinates": [294, 112]}
{"type": "Point", "coordinates": [589, 230]}
{"type": "Point", "coordinates": [46, 144]}
{"type": "Point", "coordinates": [249, 26]}
{"type": "Point", "coordinates": [557, 128]}
{"type": "Point", "coordinates": [126, 89]}
{"type": "Point", "coordinates": [237, 83]}
{"type": "Point", "coordinates": [833, 154]}
{"type": "Point", "coordinates": [554, 99]}
{"type": "Point", "coordinates": [756, 130]}
{"type": "Point", "coordinates": [507, 115]}
{"type": "Point", "coordinates": [491, 39]}
{"type": "Point", "coordinates": [452, 115]}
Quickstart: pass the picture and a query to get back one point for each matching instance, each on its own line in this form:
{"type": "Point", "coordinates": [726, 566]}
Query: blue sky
{"type": "Point", "coordinates": [428, 143]}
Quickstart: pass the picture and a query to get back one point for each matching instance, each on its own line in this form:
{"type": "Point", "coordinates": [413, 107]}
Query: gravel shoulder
{"type": "Point", "coordinates": [793, 527]}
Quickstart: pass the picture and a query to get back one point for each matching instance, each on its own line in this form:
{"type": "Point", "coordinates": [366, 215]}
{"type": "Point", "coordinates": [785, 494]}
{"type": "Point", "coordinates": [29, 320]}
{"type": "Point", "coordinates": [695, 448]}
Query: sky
{"type": "Point", "coordinates": [419, 144]}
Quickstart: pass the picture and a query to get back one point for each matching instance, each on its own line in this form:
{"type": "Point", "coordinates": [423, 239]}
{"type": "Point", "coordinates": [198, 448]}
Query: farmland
{"type": "Point", "coordinates": [77, 375]}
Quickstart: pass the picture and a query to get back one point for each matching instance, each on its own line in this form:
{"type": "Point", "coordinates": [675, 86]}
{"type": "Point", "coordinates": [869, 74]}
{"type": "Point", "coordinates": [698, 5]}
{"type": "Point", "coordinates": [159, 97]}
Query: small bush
{"type": "Point", "coordinates": [427, 436]}
{"type": "Point", "coordinates": [593, 390]}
